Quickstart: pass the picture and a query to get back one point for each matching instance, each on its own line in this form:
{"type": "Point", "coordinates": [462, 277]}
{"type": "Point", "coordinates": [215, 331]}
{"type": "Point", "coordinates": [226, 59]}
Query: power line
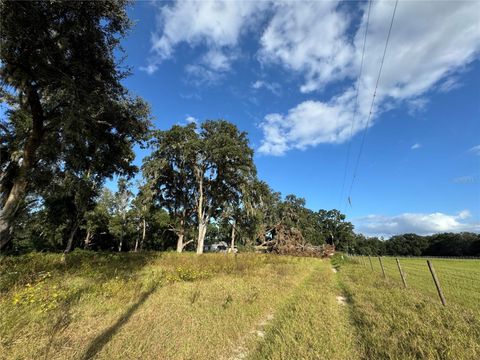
{"type": "Point", "coordinates": [373, 102]}
{"type": "Point", "coordinates": [356, 101]}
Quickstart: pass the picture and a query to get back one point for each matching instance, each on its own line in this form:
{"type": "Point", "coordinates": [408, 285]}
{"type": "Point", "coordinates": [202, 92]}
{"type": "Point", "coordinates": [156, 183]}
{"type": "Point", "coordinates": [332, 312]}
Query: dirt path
{"type": "Point", "coordinates": [254, 338]}
{"type": "Point", "coordinates": [312, 324]}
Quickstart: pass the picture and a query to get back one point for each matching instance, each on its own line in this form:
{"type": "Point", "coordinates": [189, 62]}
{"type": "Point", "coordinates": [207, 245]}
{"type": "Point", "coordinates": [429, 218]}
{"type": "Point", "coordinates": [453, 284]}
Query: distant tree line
{"type": "Point", "coordinates": [446, 244]}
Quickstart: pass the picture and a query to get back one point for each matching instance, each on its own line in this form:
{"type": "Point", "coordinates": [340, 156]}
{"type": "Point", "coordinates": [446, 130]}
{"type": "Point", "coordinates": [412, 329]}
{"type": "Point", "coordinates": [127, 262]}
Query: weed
{"type": "Point", "coordinates": [195, 296]}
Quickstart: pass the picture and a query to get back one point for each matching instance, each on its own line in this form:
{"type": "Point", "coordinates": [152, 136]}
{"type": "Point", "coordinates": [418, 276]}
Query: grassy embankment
{"type": "Point", "coordinates": [169, 306]}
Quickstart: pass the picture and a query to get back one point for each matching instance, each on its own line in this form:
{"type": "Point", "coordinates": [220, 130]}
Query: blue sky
{"type": "Point", "coordinates": [288, 73]}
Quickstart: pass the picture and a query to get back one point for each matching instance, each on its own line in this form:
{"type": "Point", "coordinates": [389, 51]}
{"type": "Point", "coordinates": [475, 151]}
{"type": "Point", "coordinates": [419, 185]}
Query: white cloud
{"type": "Point", "coordinates": [422, 224]}
{"type": "Point", "coordinates": [309, 38]}
{"type": "Point", "coordinates": [429, 44]}
{"type": "Point", "coordinates": [257, 84]}
{"type": "Point", "coordinates": [464, 214]}
{"type": "Point", "coordinates": [191, 96]}
{"type": "Point", "coordinates": [217, 60]}
{"type": "Point", "coordinates": [416, 146]}
{"type": "Point", "coordinates": [308, 124]}
{"type": "Point", "coordinates": [417, 105]}
{"type": "Point", "coordinates": [273, 87]}
{"type": "Point", "coordinates": [451, 83]}
{"type": "Point", "coordinates": [475, 150]}
{"type": "Point", "coordinates": [217, 25]}
{"type": "Point", "coordinates": [190, 119]}
{"type": "Point", "coordinates": [199, 74]}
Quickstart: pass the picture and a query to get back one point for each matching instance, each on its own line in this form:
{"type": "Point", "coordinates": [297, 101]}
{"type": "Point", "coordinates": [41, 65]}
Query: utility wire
{"type": "Point", "coordinates": [373, 102]}
{"type": "Point", "coordinates": [356, 102]}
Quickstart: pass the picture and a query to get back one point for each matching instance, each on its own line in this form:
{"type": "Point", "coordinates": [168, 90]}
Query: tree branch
{"type": "Point", "coordinates": [185, 244]}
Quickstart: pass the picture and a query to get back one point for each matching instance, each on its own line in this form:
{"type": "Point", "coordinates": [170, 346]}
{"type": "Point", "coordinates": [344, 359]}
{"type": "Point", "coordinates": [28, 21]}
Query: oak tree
{"type": "Point", "coordinates": [67, 109]}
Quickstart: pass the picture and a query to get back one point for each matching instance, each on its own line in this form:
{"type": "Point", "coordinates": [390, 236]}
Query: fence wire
{"type": "Point", "coordinates": [459, 278]}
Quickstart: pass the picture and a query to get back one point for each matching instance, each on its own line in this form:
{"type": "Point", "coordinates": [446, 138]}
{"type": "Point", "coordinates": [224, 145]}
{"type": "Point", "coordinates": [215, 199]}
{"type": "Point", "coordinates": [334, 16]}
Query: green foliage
{"type": "Point", "coordinates": [334, 229]}
{"type": "Point", "coordinates": [186, 274]}
{"type": "Point", "coordinates": [198, 175]}
{"type": "Point", "coordinates": [368, 246]}
{"type": "Point", "coordinates": [406, 244]}
{"type": "Point", "coordinates": [69, 119]}
{"type": "Point", "coordinates": [447, 244]}
{"type": "Point", "coordinates": [450, 244]}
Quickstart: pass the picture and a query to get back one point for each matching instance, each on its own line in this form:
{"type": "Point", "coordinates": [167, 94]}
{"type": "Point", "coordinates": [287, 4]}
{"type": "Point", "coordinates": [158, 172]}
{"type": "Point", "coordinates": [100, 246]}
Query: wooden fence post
{"type": "Point", "coordinates": [437, 283]}
{"type": "Point", "coordinates": [401, 273]}
{"type": "Point", "coordinates": [370, 259]}
{"type": "Point", "coordinates": [381, 265]}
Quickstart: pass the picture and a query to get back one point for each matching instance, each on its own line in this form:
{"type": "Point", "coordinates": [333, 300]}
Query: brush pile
{"type": "Point", "coordinates": [290, 241]}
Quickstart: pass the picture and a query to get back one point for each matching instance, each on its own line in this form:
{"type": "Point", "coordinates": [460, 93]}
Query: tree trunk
{"type": "Point", "coordinates": [202, 230]}
{"type": "Point", "coordinates": [87, 239]}
{"type": "Point", "coordinates": [19, 187]}
{"type": "Point", "coordinates": [71, 237]}
{"type": "Point", "coordinates": [121, 243]}
{"type": "Point", "coordinates": [122, 233]}
{"type": "Point", "coordinates": [202, 226]}
{"type": "Point", "coordinates": [181, 233]}
{"type": "Point", "coordinates": [144, 232]}
{"type": "Point", "coordinates": [232, 244]}
{"type": "Point", "coordinates": [4, 234]}
{"type": "Point", "coordinates": [9, 210]}
{"type": "Point", "coordinates": [137, 241]}
{"type": "Point", "coordinates": [180, 242]}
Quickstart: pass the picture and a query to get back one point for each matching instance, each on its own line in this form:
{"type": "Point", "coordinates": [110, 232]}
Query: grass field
{"type": "Point", "coordinates": [183, 306]}
{"type": "Point", "coordinates": [459, 279]}
{"type": "Point", "coordinates": [396, 323]}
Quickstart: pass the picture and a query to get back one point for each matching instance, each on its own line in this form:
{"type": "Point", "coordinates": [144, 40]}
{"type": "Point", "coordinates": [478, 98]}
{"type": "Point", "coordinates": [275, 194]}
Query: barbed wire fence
{"type": "Point", "coordinates": [450, 279]}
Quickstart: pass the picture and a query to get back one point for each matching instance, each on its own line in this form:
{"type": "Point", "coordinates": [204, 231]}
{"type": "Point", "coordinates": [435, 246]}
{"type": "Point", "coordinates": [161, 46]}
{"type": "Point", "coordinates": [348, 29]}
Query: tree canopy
{"type": "Point", "coordinates": [68, 115]}
{"type": "Point", "coordinates": [445, 244]}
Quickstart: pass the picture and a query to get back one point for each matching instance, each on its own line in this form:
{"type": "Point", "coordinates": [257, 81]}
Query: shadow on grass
{"type": "Point", "coordinates": [102, 339]}
{"type": "Point", "coordinates": [99, 266]}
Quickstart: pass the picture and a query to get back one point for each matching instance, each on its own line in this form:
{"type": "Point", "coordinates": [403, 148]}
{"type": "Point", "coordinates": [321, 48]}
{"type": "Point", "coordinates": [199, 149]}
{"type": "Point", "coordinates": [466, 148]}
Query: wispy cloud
{"type": "Point", "coordinates": [475, 150]}
{"type": "Point", "coordinates": [273, 87]}
{"type": "Point", "coordinates": [419, 223]}
{"type": "Point", "coordinates": [416, 146]}
{"type": "Point", "coordinates": [191, 96]}
{"type": "Point", "coordinates": [468, 179]}
{"type": "Point", "coordinates": [198, 74]}
{"type": "Point", "coordinates": [417, 106]}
